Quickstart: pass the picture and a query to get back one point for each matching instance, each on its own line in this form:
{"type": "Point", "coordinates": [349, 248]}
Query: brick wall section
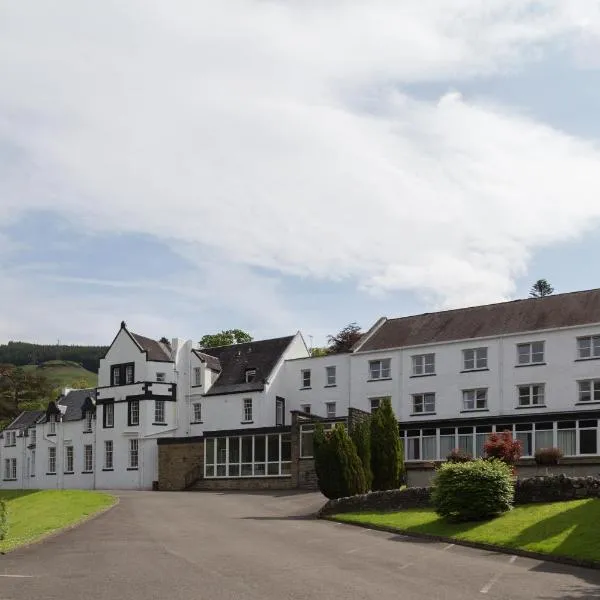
{"type": "Point", "coordinates": [244, 484]}
{"type": "Point", "coordinates": [180, 461]}
{"type": "Point", "coordinates": [307, 476]}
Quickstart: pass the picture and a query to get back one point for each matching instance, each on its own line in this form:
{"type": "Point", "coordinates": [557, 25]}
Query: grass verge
{"type": "Point", "coordinates": [569, 529]}
{"type": "Point", "coordinates": [34, 514]}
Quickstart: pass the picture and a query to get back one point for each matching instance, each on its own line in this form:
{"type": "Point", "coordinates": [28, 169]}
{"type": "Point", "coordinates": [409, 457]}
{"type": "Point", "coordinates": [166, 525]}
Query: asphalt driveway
{"type": "Point", "coordinates": [175, 546]}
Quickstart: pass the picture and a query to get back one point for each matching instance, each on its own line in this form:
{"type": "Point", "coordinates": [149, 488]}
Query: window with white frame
{"type": "Point", "coordinates": [305, 378]}
{"type": "Point", "coordinates": [10, 468]}
{"type": "Point", "coordinates": [159, 412]}
{"type": "Point", "coordinates": [250, 375]}
{"type": "Point", "coordinates": [68, 459]}
{"type": "Point", "coordinates": [108, 412]}
{"type": "Point", "coordinates": [133, 413]}
{"type": "Point", "coordinates": [52, 421]}
{"type": "Point", "coordinates": [248, 456]}
{"type": "Point", "coordinates": [108, 454]}
{"type": "Point", "coordinates": [330, 408]}
{"type": "Point", "coordinates": [330, 375]}
{"type": "Point", "coordinates": [133, 453]}
{"type": "Point", "coordinates": [51, 460]}
{"type": "Point", "coordinates": [380, 369]}
{"type": "Point", "coordinates": [588, 347]}
{"type": "Point", "coordinates": [128, 374]}
{"type": "Point", "coordinates": [197, 376]}
{"type": "Point", "coordinates": [279, 412]}
{"type": "Point", "coordinates": [424, 403]}
{"type": "Point", "coordinates": [589, 390]}
{"type": "Point", "coordinates": [88, 458]}
{"type": "Point", "coordinates": [423, 364]}
{"type": "Point", "coordinates": [32, 464]}
{"type": "Point", "coordinates": [475, 359]}
{"type": "Point", "coordinates": [531, 353]}
{"type": "Point", "coordinates": [115, 373]}
{"type": "Point", "coordinates": [306, 408]}
{"type": "Point", "coordinates": [88, 421]}
{"type": "Point", "coordinates": [247, 410]}
{"type": "Point", "coordinates": [531, 394]}
{"type": "Point", "coordinates": [375, 403]}
{"type": "Point", "coordinates": [307, 439]}
{"type": "Point", "coordinates": [475, 399]}
{"type": "Point", "coordinates": [197, 412]}
{"type": "Point", "coordinates": [33, 435]}
{"type": "Point", "coordinates": [161, 377]}
{"type": "Point", "coordinates": [10, 438]}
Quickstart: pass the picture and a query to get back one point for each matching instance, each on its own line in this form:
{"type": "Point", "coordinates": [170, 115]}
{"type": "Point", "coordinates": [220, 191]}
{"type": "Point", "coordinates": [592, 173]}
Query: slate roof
{"type": "Point", "coordinates": [26, 419]}
{"type": "Point", "coordinates": [73, 402]}
{"type": "Point", "coordinates": [234, 360]}
{"type": "Point", "coordinates": [531, 314]}
{"type": "Point", "coordinates": [212, 362]}
{"type": "Point", "coordinates": [154, 349]}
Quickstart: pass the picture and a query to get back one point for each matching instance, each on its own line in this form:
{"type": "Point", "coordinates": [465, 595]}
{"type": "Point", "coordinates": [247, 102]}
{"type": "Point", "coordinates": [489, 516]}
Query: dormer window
{"type": "Point", "coordinates": [52, 421]}
{"type": "Point", "coordinates": [250, 375]}
{"type": "Point", "coordinates": [88, 421]}
{"type": "Point", "coordinates": [197, 376]}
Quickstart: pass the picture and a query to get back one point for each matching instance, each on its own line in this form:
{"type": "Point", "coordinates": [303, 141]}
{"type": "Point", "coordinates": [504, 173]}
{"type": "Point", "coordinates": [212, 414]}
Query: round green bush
{"type": "Point", "coordinates": [473, 491]}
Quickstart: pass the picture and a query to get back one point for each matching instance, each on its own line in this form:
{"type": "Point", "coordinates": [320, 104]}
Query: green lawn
{"type": "Point", "coordinates": [63, 373]}
{"type": "Point", "coordinates": [560, 528]}
{"type": "Point", "coordinates": [32, 514]}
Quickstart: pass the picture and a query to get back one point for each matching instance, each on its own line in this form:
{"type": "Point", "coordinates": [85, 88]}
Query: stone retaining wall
{"type": "Point", "coordinates": [244, 484]}
{"type": "Point", "coordinates": [379, 501]}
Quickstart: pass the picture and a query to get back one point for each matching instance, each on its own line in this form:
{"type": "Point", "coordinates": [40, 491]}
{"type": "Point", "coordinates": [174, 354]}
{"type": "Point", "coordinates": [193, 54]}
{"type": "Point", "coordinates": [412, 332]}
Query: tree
{"type": "Point", "coordinates": [540, 289]}
{"type": "Point", "coordinates": [386, 449]}
{"type": "Point", "coordinates": [225, 338]}
{"type": "Point", "coordinates": [344, 339]}
{"type": "Point", "coordinates": [503, 447]}
{"type": "Point", "coordinates": [361, 437]}
{"type": "Point", "coordinates": [19, 387]}
{"type": "Point", "coordinates": [338, 467]}
{"type": "Point", "coordinates": [317, 351]}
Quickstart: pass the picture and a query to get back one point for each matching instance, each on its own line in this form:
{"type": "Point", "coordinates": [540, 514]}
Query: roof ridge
{"type": "Point", "coordinates": [283, 337]}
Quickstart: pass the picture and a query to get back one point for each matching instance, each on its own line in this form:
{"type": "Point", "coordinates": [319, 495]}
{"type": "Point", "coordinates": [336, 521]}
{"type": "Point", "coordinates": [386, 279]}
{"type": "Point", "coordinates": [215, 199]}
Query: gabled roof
{"type": "Point", "coordinates": [154, 350]}
{"type": "Point", "coordinates": [234, 360]}
{"type": "Point", "coordinates": [75, 403]}
{"type": "Point", "coordinates": [212, 362]}
{"type": "Point", "coordinates": [518, 316]}
{"type": "Point", "coordinates": [26, 419]}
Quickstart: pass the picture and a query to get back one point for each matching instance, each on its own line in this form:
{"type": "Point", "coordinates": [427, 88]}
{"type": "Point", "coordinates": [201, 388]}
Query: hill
{"type": "Point", "coordinates": [64, 373]}
{"type": "Point", "coordinates": [24, 353]}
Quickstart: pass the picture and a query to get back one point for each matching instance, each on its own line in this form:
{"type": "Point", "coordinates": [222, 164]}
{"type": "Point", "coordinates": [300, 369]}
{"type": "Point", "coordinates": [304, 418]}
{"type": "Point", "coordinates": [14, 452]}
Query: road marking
{"type": "Point", "coordinates": [448, 547]}
{"type": "Point", "coordinates": [19, 576]}
{"type": "Point", "coordinates": [512, 559]}
{"type": "Point", "coordinates": [488, 586]}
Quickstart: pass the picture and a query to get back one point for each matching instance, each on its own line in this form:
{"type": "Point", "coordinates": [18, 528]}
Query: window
{"type": "Point", "coordinates": [159, 411]}
{"type": "Point", "coordinates": [475, 358]}
{"type": "Point", "coordinates": [88, 421]}
{"type": "Point", "coordinates": [248, 456]}
{"type": "Point", "coordinates": [115, 375]}
{"type": "Point", "coordinates": [10, 468]}
{"type": "Point", "coordinates": [247, 412]}
{"type": "Point", "coordinates": [69, 459]}
{"type": "Point", "coordinates": [108, 454]}
{"type": "Point", "coordinates": [32, 465]}
{"type": "Point", "coordinates": [423, 364]}
{"type": "Point", "coordinates": [128, 374]}
{"type": "Point", "coordinates": [52, 425]}
{"type": "Point", "coordinates": [33, 434]}
{"type": "Point", "coordinates": [305, 378]}
{"type": "Point", "coordinates": [197, 412]}
{"type": "Point", "coordinates": [589, 390]}
{"type": "Point", "coordinates": [10, 438]}
{"type": "Point", "coordinates": [161, 377]}
{"type": "Point", "coordinates": [375, 403]}
{"type": "Point", "coordinates": [133, 454]}
{"type": "Point", "coordinates": [330, 406]}
{"type": "Point", "coordinates": [197, 376]}
{"type": "Point", "coordinates": [108, 415]}
{"type": "Point", "coordinates": [122, 374]}
{"type": "Point", "coordinates": [306, 439]}
{"type": "Point", "coordinates": [424, 403]}
{"type": "Point", "coordinates": [306, 408]}
{"type": "Point", "coordinates": [531, 353]}
{"type": "Point", "coordinates": [588, 347]}
{"type": "Point", "coordinates": [588, 436]}
{"type": "Point", "coordinates": [379, 369]}
{"type": "Point", "coordinates": [133, 413]}
{"type": "Point", "coordinates": [531, 395]}
{"type": "Point", "coordinates": [250, 375]}
{"type": "Point", "coordinates": [51, 461]}
{"type": "Point", "coordinates": [279, 412]}
{"type": "Point", "coordinates": [88, 458]}
{"type": "Point", "coordinates": [475, 399]}
{"type": "Point", "coordinates": [330, 376]}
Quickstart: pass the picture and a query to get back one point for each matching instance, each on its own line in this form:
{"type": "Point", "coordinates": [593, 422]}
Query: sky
{"type": "Point", "coordinates": [271, 165]}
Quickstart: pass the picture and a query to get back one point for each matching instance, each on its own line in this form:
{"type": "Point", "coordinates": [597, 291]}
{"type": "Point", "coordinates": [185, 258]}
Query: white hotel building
{"type": "Point", "coordinates": [531, 366]}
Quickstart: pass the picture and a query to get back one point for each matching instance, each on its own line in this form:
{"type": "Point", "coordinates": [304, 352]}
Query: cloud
{"type": "Point", "coordinates": [278, 135]}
